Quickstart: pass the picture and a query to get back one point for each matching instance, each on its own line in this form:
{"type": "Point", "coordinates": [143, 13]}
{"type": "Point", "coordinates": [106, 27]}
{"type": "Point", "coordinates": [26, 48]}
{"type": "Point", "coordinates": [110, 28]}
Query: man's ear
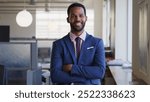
{"type": "Point", "coordinates": [86, 18]}
{"type": "Point", "coordinates": [68, 19]}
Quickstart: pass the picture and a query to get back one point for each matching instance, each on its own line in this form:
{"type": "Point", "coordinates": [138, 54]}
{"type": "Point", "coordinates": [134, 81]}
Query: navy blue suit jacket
{"type": "Point", "coordinates": [89, 69]}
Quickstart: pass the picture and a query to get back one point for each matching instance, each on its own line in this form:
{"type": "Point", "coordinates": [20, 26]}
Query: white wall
{"type": "Point", "coordinates": [130, 33]}
{"type": "Point", "coordinates": [9, 18]}
{"type": "Point", "coordinates": [98, 11]}
{"type": "Point", "coordinates": [121, 30]}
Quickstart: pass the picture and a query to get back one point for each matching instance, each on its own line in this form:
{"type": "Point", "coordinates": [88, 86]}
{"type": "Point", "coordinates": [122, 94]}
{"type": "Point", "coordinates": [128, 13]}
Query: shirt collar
{"type": "Point", "coordinates": [73, 36]}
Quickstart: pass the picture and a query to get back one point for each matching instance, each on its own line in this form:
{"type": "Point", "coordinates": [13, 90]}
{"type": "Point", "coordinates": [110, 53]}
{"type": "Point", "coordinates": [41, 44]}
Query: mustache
{"type": "Point", "coordinates": [77, 22]}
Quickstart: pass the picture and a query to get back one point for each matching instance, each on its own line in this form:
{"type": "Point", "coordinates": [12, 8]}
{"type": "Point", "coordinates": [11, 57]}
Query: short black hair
{"type": "Point", "coordinates": [76, 5]}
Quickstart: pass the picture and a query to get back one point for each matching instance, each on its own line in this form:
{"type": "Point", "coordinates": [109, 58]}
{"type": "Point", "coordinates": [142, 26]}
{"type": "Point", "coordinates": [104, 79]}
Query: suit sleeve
{"type": "Point", "coordinates": [97, 69]}
{"type": "Point", "coordinates": [58, 76]}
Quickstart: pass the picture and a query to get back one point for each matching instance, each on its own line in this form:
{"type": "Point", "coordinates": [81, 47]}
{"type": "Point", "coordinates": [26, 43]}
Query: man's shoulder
{"type": "Point", "coordinates": [93, 38]}
{"type": "Point", "coordinates": [61, 39]}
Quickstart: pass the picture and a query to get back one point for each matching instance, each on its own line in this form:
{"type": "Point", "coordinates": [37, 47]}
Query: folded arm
{"type": "Point", "coordinates": [58, 75]}
{"type": "Point", "coordinates": [97, 69]}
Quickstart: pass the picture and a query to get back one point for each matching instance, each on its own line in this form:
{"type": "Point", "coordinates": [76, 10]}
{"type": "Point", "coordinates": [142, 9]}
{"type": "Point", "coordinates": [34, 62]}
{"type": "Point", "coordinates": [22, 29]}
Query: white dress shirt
{"type": "Point", "coordinates": [73, 37]}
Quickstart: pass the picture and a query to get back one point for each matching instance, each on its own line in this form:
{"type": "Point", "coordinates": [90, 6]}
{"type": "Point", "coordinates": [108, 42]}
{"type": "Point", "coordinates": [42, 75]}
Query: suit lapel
{"type": "Point", "coordinates": [84, 47]}
{"type": "Point", "coordinates": [70, 47]}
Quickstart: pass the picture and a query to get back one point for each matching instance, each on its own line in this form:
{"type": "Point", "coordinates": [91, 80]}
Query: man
{"type": "Point", "coordinates": [79, 62]}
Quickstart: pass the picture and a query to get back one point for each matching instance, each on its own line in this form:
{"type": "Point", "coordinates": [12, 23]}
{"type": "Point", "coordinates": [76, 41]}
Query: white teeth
{"type": "Point", "coordinates": [78, 24]}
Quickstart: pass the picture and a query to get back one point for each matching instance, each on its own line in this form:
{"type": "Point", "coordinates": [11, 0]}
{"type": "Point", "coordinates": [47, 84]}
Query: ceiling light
{"type": "Point", "coordinates": [24, 18]}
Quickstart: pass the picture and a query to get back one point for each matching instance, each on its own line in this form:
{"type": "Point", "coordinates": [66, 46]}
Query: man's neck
{"type": "Point", "coordinates": [78, 33]}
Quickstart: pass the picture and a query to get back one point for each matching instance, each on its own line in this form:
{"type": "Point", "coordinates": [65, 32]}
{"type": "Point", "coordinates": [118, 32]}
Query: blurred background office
{"type": "Point", "coordinates": [122, 24]}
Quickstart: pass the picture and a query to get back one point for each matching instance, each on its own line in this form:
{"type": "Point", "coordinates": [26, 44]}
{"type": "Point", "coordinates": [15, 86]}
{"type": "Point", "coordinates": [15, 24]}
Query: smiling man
{"type": "Point", "coordinates": [78, 58]}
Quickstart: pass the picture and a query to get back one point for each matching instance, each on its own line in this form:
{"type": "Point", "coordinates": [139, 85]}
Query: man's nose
{"type": "Point", "coordinates": [78, 18]}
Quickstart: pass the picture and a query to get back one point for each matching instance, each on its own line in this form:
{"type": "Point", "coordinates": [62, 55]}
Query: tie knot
{"type": "Point", "coordinates": [77, 39]}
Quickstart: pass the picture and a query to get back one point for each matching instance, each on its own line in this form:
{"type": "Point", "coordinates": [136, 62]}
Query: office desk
{"type": "Point", "coordinates": [123, 76]}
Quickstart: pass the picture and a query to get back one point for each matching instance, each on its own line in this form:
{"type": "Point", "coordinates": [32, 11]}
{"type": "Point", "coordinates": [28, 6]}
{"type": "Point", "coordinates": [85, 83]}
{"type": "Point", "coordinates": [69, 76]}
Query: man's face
{"type": "Point", "coordinates": [77, 19]}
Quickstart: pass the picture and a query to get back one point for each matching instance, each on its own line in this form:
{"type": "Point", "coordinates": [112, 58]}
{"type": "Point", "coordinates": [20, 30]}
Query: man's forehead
{"type": "Point", "coordinates": [76, 9]}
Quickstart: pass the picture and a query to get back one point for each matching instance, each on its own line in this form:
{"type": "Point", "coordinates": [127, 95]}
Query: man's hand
{"type": "Point", "coordinates": [67, 67]}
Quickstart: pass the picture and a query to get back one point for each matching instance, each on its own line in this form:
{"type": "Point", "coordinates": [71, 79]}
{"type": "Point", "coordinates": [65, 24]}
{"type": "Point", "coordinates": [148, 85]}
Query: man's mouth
{"type": "Point", "coordinates": [78, 24]}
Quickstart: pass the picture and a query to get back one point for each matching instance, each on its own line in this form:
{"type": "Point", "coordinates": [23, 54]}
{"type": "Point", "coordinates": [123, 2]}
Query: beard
{"type": "Point", "coordinates": [77, 28]}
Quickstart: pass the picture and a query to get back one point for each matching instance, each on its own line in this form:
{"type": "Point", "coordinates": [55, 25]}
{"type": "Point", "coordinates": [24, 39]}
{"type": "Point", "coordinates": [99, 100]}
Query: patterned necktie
{"type": "Point", "coordinates": [78, 40]}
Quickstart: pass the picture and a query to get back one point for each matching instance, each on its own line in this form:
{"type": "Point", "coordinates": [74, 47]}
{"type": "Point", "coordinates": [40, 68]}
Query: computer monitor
{"type": "Point", "coordinates": [44, 54]}
{"type": "Point", "coordinates": [4, 33]}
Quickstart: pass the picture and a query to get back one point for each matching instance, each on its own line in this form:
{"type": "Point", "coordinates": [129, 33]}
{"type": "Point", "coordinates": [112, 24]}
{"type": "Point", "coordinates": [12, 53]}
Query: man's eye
{"type": "Point", "coordinates": [81, 16]}
{"type": "Point", "coordinates": [72, 16]}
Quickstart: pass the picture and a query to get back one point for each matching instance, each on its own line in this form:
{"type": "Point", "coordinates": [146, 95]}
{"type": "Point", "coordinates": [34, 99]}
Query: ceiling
{"type": "Point", "coordinates": [15, 5]}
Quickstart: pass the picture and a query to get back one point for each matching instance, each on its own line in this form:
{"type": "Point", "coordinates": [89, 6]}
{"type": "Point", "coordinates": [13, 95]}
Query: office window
{"type": "Point", "coordinates": [106, 23]}
{"type": "Point", "coordinates": [117, 28]}
{"type": "Point", "coordinates": [53, 24]}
